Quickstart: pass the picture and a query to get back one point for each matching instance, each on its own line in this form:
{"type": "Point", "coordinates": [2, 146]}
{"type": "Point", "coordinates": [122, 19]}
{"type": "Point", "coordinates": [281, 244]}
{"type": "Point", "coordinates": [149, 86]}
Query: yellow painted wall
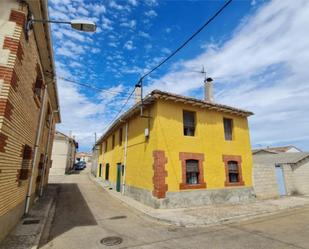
{"type": "Point", "coordinates": [208, 139]}
{"type": "Point", "coordinates": [139, 156]}
{"type": "Point", "coordinates": [166, 133]}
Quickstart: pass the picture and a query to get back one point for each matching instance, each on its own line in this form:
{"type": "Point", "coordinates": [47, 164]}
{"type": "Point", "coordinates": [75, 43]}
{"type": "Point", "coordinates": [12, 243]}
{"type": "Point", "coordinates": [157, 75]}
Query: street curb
{"type": "Point", "coordinates": [149, 212]}
{"type": "Point", "coordinates": [45, 218]}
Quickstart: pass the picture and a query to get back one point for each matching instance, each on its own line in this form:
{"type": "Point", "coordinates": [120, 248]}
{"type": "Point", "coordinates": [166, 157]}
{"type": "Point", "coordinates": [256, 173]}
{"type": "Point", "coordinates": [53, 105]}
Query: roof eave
{"type": "Point", "coordinates": [39, 9]}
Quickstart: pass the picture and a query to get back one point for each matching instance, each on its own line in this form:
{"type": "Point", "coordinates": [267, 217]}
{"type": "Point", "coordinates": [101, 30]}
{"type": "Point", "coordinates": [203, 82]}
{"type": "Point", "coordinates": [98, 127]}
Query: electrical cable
{"type": "Point", "coordinates": [93, 87]}
{"type": "Point", "coordinates": [186, 42]}
{"type": "Point", "coordinates": [120, 110]}
{"type": "Point", "coordinates": [139, 83]}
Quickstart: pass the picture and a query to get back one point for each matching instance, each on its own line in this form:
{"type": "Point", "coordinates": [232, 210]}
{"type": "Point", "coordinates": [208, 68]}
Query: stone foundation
{"type": "Point", "coordinates": [189, 198]}
{"type": "Point", "coordinates": [197, 198]}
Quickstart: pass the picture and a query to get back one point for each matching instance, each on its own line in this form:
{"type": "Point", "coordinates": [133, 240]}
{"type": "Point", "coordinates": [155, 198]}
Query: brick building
{"type": "Point", "coordinates": [29, 108]}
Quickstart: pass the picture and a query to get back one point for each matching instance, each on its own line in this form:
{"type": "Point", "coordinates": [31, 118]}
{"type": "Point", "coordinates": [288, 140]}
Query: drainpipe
{"type": "Point", "coordinates": [125, 160]}
{"type": "Point", "coordinates": [46, 151]}
{"type": "Point", "coordinates": [36, 148]}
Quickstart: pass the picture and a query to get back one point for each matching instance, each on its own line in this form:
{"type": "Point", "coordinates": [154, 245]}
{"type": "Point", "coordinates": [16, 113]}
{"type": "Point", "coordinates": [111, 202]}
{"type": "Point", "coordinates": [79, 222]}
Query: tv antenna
{"type": "Point", "coordinates": [203, 71]}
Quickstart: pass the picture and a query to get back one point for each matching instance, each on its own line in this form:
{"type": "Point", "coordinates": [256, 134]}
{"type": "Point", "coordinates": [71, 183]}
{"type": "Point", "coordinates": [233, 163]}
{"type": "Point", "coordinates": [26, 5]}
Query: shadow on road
{"type": "Point", "coordinates": [71, 211]}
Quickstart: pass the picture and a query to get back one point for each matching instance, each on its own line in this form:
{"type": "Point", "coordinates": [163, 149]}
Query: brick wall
{"type": "Point", "coordinates": [19, 112]}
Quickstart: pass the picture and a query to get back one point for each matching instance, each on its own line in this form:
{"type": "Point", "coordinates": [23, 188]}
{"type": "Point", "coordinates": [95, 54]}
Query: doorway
{"type": "Point", "coordinates": [118, 183]}
{"type": "Point", "coordinates": [100, 170]}
{"type": "Point", "coordinates": [107, 172]}
{"type": "Point", "coordinates": [280, 180]}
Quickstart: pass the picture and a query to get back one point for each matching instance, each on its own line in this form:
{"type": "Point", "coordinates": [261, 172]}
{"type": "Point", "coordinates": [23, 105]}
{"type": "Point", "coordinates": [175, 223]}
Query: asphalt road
{"type": "Point", "coordinates": [84, 214]}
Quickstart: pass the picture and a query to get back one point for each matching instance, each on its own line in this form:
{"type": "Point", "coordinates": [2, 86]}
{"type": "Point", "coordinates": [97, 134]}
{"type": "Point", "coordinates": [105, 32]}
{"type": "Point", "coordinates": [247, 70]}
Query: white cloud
{"type": "Point", "coordinates": [97, 9]}
{"type": "Point", "coordinates": [166, 51]}
{"type": "Point", "coordinates": [129, 45]}
{"type": "Point", "coordinates": [116, 6]}
{"type": "Point", "coordinates": [130, 24]}
{"type": "Point", "coordinates": [83, 11]}
{"type": "Point", "coordinates": [151, 2]}
{"type": "Point", "coordinates": [148, 46]}
{"type": "Point", "coordinates": [151, 13]}
{"type": "Point", "coordinates": [168, 30]}
{"type": "Point", "coordinates": [83, 116]}
{"type": "Point", "coordinates": [106, 23]}
{"type": "Point", "coordinates": [76, 35]}
{"type": "Point", "coordinates": [133, 2]}
{"type": "Point", "coordinates": [143, 34]}
{"type": "Point", "coordinates": [263, 67]}
{"type": "Point", "coordinates": [112, 44]}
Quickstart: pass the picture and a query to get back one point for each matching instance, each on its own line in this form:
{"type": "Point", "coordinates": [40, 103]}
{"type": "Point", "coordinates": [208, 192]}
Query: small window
{"type": "Point", "coordinates": [120, 136]}
{"type": "Point", "coordinates": [228, 128]}
{"type": "Point", "coordinates": [233, 171]}
{"type": "Point", "coordinates": [188, 123]}
{"type": "Point", "coordinates": [48, 117]}
{"type": "Point", "coordinates": [113, 141]}
{"type": "Point", "coordinates": [38, 87]}
{"type": "Point", "coordinates": [27, 152]}
{"type": "Point", "coordinates": [192, 171]}
{"type": "Point", "coordinates": [107, 172]}
{"type": "Point", "coordinates": [26, 163]}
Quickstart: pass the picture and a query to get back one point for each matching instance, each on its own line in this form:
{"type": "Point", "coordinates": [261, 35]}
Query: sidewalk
{"type": "Point", "coordinates": [212, 214]}
{"type": "Point", "coordinates": [27, 233]}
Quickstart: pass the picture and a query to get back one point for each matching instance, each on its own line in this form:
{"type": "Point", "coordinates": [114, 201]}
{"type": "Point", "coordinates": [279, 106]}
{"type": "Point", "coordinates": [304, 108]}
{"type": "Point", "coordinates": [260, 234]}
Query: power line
{"type": "Point", "coordinates": [186, 42]}
{"type": "Point", "coordinates": [120, 110]}
{"type": "Point", "coordinates": [139, 83]}
{"type": "Point", "coordinates": [93, 87]}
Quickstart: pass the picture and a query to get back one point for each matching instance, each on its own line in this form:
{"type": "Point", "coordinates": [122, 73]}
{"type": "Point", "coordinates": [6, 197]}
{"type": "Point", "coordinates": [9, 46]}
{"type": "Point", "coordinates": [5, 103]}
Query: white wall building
{"type": "Point", "coordinates": [63, 154]}
{"type": "Point", "coordinates": [83, 156]}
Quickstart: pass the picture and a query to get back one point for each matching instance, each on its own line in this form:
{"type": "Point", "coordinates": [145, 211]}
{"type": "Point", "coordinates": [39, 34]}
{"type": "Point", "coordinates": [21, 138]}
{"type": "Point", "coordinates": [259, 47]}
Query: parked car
{"type": "Point", "coordinates": [84, 163]}
{"type": "Point", "coordinates": [79, 166]}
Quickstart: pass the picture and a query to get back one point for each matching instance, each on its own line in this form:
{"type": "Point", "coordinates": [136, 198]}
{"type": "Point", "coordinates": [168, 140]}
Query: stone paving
{"type": "Point", "coordinates": [212, 214]}
{"type": "Point", "coordinates": [83, 214]}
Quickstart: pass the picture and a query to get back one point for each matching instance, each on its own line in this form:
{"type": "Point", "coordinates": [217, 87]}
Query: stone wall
{"type": "Point", "coordinates": [301, 177]}
{"type": "Point", "coordinates": [191, 198]}
{"type": "Point", "coordinates": [264, 181]}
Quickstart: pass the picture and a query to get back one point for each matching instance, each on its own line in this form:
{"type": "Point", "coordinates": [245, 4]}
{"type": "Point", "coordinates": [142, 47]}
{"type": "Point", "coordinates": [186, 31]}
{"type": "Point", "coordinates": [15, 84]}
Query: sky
{"type": "Point", "coordinates": [257, 52]}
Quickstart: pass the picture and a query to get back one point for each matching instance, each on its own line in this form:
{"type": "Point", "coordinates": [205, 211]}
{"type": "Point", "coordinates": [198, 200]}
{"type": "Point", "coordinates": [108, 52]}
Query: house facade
{"type": "Point", "coordinates": [63, 154]}
{"type": "Point", "coordinates": [95, 161]}
{"type": "Point", "coordinates": [83, 156]}
{"type": "Point", "coordinates": [29, 108]}
{"type": "Point", "coordinates": [281, 174]}
{"type": "Point", "coordinates": [175, 151]}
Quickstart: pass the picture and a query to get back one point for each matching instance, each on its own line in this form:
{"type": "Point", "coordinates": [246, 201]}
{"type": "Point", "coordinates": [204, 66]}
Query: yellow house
{"type": "Point", "coordinates": [175, 151]}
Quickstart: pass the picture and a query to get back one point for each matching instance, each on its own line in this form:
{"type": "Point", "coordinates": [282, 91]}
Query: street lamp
{"type": "Point", "coordinates": [81, 25]}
